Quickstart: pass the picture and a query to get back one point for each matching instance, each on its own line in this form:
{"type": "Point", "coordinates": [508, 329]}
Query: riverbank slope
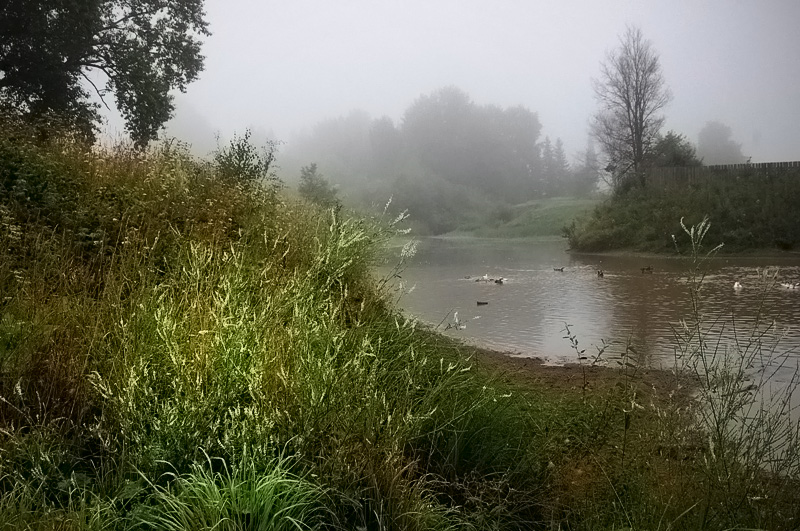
{"type": "Point", "coordinates": [182, 347]}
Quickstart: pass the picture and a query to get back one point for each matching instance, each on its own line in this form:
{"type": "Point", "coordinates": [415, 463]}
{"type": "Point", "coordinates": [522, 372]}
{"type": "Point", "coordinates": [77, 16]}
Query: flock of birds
{"type": "Point", "coordinates": [788, 285]}
{"type": "Point", "coordinates": [600, 273]}
{"type": "Point", "coordinates": [460, 325]}
{"type": "Point", "coordinates": [487, 278]}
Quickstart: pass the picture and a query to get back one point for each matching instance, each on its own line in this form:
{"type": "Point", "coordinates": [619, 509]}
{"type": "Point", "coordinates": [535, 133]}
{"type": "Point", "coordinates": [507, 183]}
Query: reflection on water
{"type": "Point", "coordinates": [528, 312]}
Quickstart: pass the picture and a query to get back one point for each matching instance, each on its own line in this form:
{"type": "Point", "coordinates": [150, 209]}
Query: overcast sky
{"type": "Point", "coordinates": [283, 66]}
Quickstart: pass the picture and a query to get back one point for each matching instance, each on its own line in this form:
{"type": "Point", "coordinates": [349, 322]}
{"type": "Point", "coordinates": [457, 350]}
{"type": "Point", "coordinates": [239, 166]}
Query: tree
{"type": "Point", "coordinates": [586, 172]}
{"type": "Point", "coordinates": [715, 146]}
{"type": "Point", "coordinates": [674, 149]}
{"type": "Point", "coordinates": [439, 130]}
{"type": "Point", "coordinates": [548, 160]}
{"type": "Point", "coordinates": [487, 148]}
{"type": "Point", "coordinates": [386, 146]}
{"type": "Point", "coordinates": [631, 93]}
{"type": "Point", "coordinates": [560, 162]}
{"type": "Point", "coordinates": [52, 53]}
{"type": "Point", "coordinates": [315, 187]}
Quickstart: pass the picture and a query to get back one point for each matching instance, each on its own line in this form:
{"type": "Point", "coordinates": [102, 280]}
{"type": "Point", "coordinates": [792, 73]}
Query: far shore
{"type": "Point", "coordinates": [754, 253]}
{"type": "Point", "coordinates": [721, 254]}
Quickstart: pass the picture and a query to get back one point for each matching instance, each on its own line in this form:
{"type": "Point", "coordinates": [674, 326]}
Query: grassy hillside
{"type": "Point", "coordinates": [183, 348]}
{"type": "Point", "coordinates": [541, 217]}
{"type": "Point", "coordinates": [749, 212]}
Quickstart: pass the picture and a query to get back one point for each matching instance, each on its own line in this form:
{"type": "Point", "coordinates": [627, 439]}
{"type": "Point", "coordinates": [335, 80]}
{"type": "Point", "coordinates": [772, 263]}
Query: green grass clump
{"type": "Point", "coordinates": [181, 347]}
{"type": "Point", "coordinates": [243, 498]}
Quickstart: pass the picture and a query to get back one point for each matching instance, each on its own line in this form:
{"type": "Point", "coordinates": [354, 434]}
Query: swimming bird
{"type": "Point", "coordinates": [648, 269]}
{"type": "Point", "coordinates": [561, 269]}
{"type": "Point", "coordinates": [457, 324]}
{"type": "Point", "coordinates": [482, 303]}
{"type": "Point", "coordinates": [737, 285]}
{"type": "Point", "coordinates": [789, 285]}
{"type": "Point", "coordinates": [499, 280]}
{"type": "Point", "coordinates": [599, 272]}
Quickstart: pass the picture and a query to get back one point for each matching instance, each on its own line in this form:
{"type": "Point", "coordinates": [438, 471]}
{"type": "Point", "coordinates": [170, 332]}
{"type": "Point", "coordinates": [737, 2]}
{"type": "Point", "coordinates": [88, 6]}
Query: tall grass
{"type": "Point", "coordinates": [157, 312]}
{"type": "Point", "coordinates": [751, 462]}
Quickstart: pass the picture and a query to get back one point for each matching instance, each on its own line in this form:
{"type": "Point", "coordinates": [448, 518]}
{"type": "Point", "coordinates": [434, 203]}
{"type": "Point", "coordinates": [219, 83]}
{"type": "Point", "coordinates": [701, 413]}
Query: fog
{"type": "Point", "coordinates": [284, 66]}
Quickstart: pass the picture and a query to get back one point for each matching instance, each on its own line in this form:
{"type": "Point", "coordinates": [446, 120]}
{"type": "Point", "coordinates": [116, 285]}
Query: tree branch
{"type": "Point", "coordinates": [97, 91]}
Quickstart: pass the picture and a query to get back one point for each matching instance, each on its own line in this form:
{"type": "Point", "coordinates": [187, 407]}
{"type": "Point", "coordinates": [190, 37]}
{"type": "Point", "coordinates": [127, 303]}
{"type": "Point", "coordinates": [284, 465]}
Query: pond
{"type": "Point", "coordinates": [638, 302]}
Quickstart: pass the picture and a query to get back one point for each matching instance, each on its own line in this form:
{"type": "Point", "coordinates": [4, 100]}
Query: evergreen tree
{"type": "Point", "coordinates": [586, 174]}
{"type": "Point", "coordinates": [560, 163]}
{"type": "Point", "coordinates": [316, 188]}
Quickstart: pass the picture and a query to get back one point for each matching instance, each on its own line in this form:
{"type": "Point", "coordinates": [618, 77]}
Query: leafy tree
{"type": "Point", "coordinates": [484, 147]}
{"type": "Point", "coordinates": [341, 144]}
{"type": "Point", "coordinates": [674, 149]}
{"type": "Point", "coordinates": [631, 93]}
{"type": "Point", "coordinates": [52, 50]}
{"type": "Point", "coordinates": [715, 146]}
{"type": "Point", "coordinates": [316, 188]}
{"type": "Point", "coordinates": [439, 130]}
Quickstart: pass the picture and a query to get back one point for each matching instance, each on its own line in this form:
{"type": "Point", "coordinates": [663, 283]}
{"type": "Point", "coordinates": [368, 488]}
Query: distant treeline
{"type": "Point", "coordinates": [448, 161]}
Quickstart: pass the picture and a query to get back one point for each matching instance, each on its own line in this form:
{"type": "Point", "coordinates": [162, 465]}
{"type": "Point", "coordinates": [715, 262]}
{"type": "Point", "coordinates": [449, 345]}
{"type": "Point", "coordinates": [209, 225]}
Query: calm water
{"type": "Point", "coordinates": [527, 314]}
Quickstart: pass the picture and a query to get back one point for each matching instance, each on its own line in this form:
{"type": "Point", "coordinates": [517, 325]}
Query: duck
{"type": "Point", "coordinates": [499, 280]}
{"type": "Point", "coordinates": [482, 303]}
{"type": "Point", "coordinates": [737, 285]}
{"type": "Point", "coordinates": [648, 269]}
{"type": "Point", "coordinates": [560, 269]}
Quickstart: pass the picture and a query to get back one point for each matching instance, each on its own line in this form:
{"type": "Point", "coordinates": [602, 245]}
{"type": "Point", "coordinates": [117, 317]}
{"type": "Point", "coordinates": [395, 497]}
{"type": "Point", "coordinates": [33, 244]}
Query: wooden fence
{"type": "Point", "coordinates": [663, 178]}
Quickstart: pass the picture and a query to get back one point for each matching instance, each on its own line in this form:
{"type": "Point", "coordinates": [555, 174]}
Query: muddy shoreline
{"type": "Point", "coordinates": [573, 377]}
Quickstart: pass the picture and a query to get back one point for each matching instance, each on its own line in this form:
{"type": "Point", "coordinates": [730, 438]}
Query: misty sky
{"type": "Point", "coordinates": [281, 67]}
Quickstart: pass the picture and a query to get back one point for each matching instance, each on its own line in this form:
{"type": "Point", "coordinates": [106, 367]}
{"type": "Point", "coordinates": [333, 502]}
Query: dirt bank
{"type": "Point", "coordinates": [570, 377]}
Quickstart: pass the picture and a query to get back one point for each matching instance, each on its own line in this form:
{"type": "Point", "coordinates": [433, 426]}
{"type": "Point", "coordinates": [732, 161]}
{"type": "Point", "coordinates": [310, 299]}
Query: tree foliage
{"type": "Point", "coordinates": [488, 148]}
{"type": "Point", "coordinates": [54, 53]}
{"type": "Point", "coordinates": [631, 93]}
{"type": "Point", "coordinates": [674, 149]}
{"type": "Point", "coordinates": [715, 145]}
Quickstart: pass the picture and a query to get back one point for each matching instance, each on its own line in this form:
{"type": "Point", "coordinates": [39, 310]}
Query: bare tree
{"type": "Point", "coordinates": [631, 93]}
